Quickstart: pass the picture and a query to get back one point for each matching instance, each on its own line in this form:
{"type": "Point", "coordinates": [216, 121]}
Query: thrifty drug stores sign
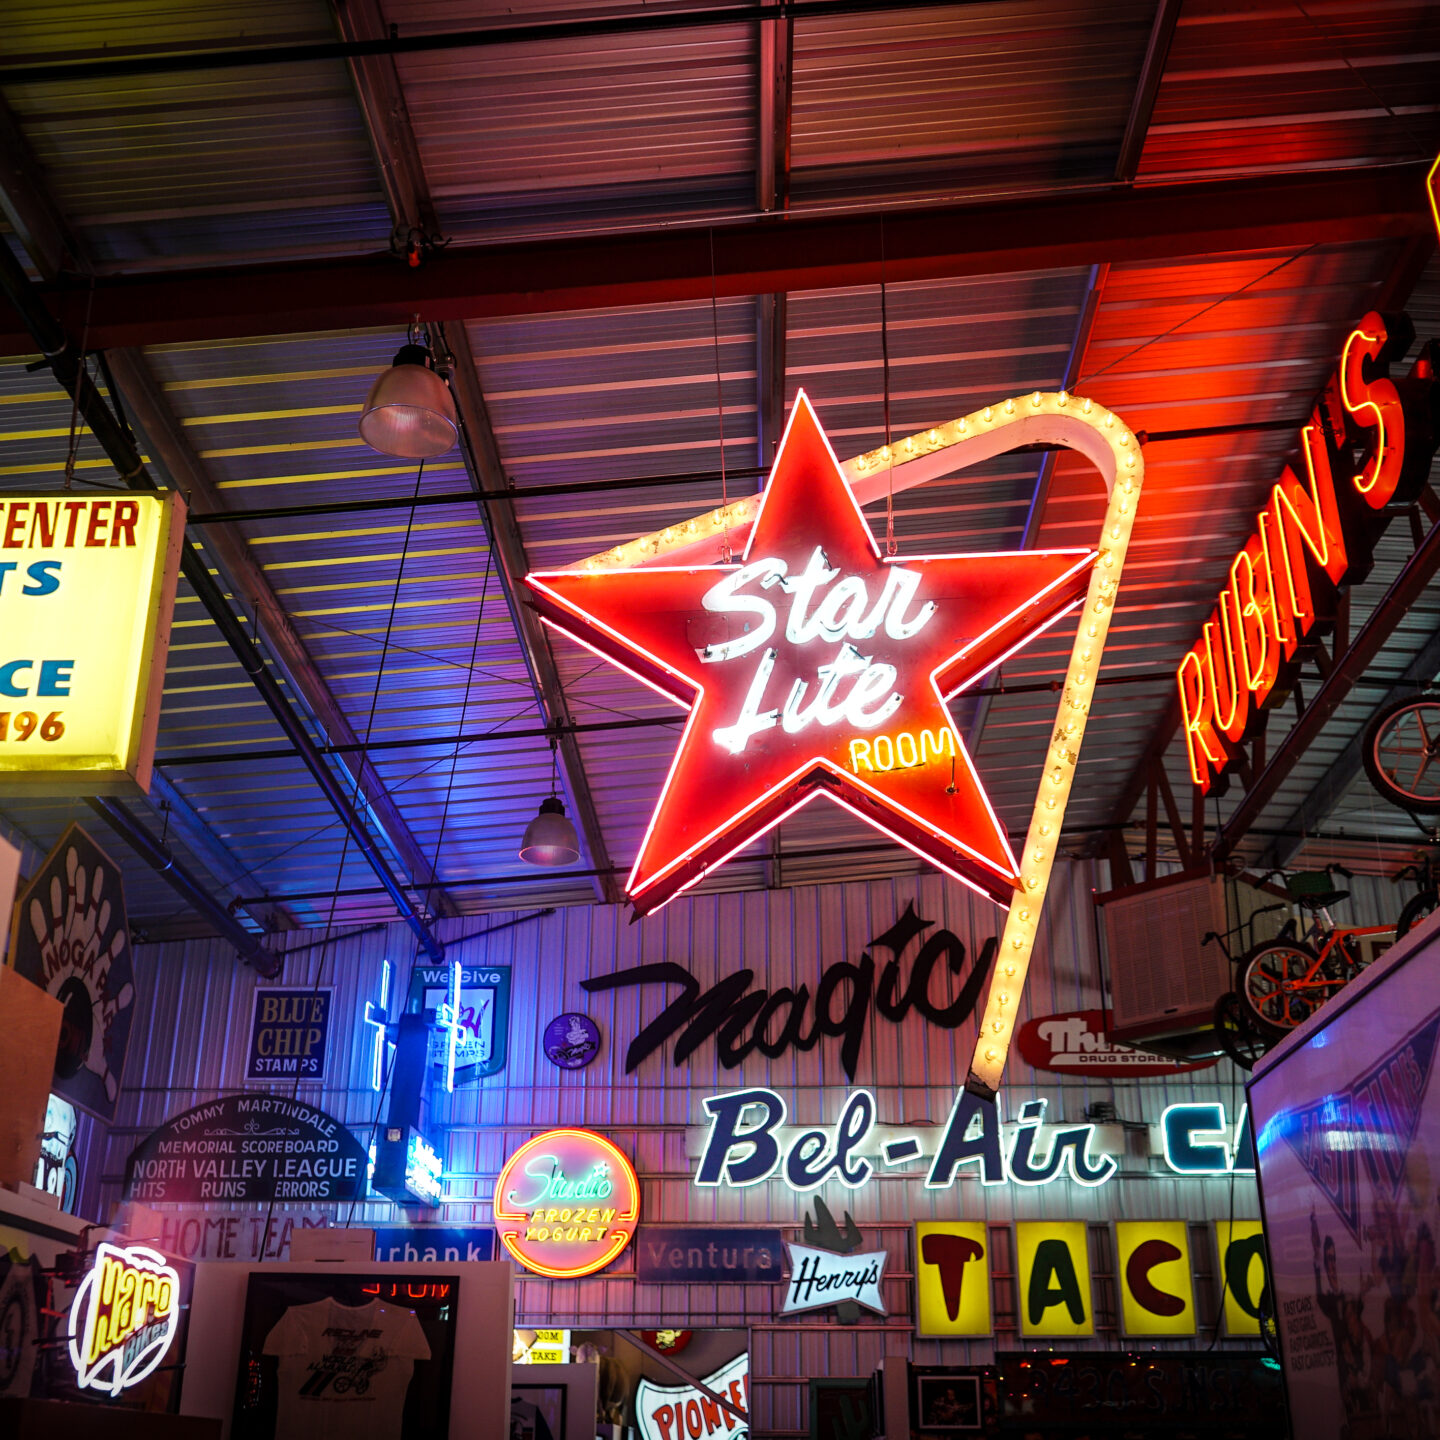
{"type": "Point", "coordinates": [1365, 451]}
{"type": "Point", "coordinates": [87, 587]}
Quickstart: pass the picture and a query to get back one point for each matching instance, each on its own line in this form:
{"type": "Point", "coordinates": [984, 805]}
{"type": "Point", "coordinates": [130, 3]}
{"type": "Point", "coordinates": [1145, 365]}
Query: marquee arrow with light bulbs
{"type": "Point", "coordinates": [815, 665]}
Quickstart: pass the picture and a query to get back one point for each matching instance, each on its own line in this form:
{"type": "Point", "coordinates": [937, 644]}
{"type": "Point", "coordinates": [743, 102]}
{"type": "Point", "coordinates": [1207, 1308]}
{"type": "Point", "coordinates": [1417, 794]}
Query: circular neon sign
{"type": "Point", "coordinates": [566, 1203]}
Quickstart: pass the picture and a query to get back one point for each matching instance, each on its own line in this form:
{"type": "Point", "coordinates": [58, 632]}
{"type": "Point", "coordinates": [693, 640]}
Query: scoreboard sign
{"type": "Point", "coordinates": [87, 589]}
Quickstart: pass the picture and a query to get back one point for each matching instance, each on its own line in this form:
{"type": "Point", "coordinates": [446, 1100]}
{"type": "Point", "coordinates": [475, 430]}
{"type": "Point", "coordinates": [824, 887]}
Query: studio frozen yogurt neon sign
{"type": "Point", "coordinates": [814, 655]}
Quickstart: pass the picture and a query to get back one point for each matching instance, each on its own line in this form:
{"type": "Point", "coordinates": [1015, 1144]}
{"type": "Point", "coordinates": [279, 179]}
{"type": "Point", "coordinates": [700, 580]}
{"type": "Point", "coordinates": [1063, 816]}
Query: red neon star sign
{"type": "Point", "coordinates": [816, 666]}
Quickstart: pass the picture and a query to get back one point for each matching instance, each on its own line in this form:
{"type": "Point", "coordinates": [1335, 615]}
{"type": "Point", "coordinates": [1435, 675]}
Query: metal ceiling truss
{"type": "Point", "coordinates": [1109, 839]}
{"type": "Point", "coordinates": [64, 361]}
{"type": "Point", "coordinates": [53, 248]}
{"type": "Point", "coordinates": [1147, 89]}
{"type": "Point", "coordinates": [753, 257]}
{"type": "Point", "coordinates": [392, 137]}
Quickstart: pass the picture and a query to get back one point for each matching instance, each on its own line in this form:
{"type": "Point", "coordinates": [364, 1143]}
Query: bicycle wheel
{"type": "Point", "coordinates": [1237, 1032]}
{"type": "Point", "coordinates": [1427, 902]}
{"type": "Point", "coordinates": [1264, 974]}
{"type": "Point", "coordinates": [1402, 754]}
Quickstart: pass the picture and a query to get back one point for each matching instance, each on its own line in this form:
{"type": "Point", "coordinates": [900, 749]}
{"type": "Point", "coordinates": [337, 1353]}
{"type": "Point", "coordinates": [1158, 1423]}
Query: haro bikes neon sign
{"type": "Point", "coordinates": [1310, 538]}
{"type": "Point", "coordinates": [123, 1318]}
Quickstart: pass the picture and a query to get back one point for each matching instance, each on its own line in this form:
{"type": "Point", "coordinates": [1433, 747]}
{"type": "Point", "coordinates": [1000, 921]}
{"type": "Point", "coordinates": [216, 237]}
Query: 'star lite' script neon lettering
{"type": "Point", "coordinates": [822, 610]}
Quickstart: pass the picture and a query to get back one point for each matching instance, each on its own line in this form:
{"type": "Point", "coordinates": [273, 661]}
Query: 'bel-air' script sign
{"type": "Point", "coordinates": [743, 1020]}
{"type": "Point", "coordinates": [812, 667]}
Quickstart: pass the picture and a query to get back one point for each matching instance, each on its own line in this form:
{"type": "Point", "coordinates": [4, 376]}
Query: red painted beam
{"type": "Point", "coordinates": [764, 256]}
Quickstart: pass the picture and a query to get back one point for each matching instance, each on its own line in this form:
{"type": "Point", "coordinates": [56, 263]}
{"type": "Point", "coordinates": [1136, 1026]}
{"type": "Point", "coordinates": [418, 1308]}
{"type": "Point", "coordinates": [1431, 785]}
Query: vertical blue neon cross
{"type": "Point", "coordinates": [447, 1017]}
{"type": "Point", "coordinates": [378, 1016]}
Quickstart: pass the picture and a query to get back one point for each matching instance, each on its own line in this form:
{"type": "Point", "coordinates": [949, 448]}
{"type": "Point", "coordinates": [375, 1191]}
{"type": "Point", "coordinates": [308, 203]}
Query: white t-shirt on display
{"type": "Point", "coordinates": [344, 1369]}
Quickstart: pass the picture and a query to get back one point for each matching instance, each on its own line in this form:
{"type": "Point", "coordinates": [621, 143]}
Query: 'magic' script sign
{"type": "Point", "coordinates": [742, 1020]}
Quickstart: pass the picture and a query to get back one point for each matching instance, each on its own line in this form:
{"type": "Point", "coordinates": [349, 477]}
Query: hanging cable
{"type": "Point", "coordinates": [725, 551]}
{"type": "Point", "coordinates": [73, 446]}
{"type": "Point", "coordinates": [885, 391]}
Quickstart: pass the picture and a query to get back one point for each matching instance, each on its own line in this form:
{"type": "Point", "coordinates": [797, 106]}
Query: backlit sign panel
{"type": "Point", "coordinates": [566, 1203]}
{"type": "Point", "coordinates": [123, 1318]}
{"type": "Point", "coordinates": [952, 1279]}
{"type": "Point", "coordinates": [1157, 1297]}
{"type": "Point", "coordinates": [87, 587]}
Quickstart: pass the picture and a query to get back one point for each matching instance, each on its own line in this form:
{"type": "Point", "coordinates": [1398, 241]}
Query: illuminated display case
{"type": "Point", "coordinates": [380, 1352]}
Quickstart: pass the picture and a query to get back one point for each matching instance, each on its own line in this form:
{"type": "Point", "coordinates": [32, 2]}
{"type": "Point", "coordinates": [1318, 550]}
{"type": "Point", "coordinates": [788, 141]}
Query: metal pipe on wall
{"type": "Point", "coordinates": [160, 859]}
{"type": "Point", "coordinates": [64, 361]}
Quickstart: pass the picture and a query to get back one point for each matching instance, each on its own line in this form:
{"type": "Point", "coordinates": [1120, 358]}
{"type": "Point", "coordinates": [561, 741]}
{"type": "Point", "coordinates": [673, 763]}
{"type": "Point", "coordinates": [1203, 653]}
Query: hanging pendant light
{"type": "Point", "coordinates": [550, 837]}
{"type": "Point", "coordinates": [410, 411]}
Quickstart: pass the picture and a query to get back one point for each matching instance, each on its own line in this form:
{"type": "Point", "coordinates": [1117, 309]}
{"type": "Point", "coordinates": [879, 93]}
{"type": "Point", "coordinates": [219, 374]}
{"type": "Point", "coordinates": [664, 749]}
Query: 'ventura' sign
{"type": "Point", "coordinates": [249, 1149]}
{"type": "Point", "coordinates": [1309, 539]}
{"type": "Point", "coordinates": [773, 1022]}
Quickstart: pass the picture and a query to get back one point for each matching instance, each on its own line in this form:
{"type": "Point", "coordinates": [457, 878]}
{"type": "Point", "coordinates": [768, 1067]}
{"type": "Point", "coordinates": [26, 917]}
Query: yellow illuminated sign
{"type": "Point", "coordinates": [1156, 1294]}
{"type": "Point", "coordinates": [1054, 1272]}
{"type": "Point", "coordinates": [952, 1279]}
{"type": "Point", "coordinates": [87, 588]}
{"type": "Point", "coordinates": [1241, 1251]}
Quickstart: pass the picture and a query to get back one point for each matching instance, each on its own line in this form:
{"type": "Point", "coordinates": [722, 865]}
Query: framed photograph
{"type": "Point", "coordinates": [948, 1405]}
{"type": "Point", "coordinates": [537, 1412]}
{"type": "Point", "coordinates": [326, 1354]}
{"type": "Point", "coordinates": [843, 1409]}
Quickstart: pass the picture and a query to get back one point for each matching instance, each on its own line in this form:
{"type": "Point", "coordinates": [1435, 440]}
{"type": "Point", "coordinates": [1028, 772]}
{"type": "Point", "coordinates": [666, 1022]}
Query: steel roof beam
{"type": "Point", "coordinates": [402, 171]}
{"type": "Point", "coordinates": [64, 361]}
{"type": "Point", "coordinates": [1404, 591]}
{"type": "Point", "coordinates": [230, 551]}
{"type": "Point", "coordinates": [1327, 792]}
{"type": "Point", "coordinates": [1147, 88]}
{"type": "Point", "coordinates": [53, 247]}
{"type": "Point", "coordinates": [776, 253]}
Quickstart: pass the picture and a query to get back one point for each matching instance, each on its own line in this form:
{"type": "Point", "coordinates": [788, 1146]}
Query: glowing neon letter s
{"type": "Point", "coordinates": [722, 599]}
{"type": "Point", "coordinates": [728, 1132]}
{"type": "Point", "coordinates": [1375, 406]}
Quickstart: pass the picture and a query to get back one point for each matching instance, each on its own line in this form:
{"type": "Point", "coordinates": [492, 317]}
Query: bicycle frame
{"type": "Point", "coordinates": [1335, 936]}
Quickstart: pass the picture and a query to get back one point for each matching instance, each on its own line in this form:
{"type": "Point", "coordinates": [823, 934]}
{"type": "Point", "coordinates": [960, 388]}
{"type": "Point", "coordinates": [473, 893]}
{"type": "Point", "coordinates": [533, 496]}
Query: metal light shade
{"type": "Point", "coordinates": [550, 837]}
{"type": "Point", "coordinates": [409, 411]}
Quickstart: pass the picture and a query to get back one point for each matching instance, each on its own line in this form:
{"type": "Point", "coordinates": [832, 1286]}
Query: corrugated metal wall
{"type": "Point", "coordinates": [192, 1029]}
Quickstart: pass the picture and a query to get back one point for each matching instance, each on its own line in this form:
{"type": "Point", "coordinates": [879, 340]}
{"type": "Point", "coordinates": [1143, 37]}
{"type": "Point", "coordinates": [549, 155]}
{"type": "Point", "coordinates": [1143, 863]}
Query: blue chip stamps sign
{"type": "Point", "coordinates": [571, 1041]}
{"type": "Point", "coordinates": [708, 1255]}
{"type": "Point", "coordinates": [247, 1149]}
{"type": "Point", "coordinates": [289, 1034]}
{"type": "Point", "coordinates": [483, 1038]}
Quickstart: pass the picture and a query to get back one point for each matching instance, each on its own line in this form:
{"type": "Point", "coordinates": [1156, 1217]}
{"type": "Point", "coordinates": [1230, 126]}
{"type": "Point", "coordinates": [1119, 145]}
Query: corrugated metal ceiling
{"type": "Point", "coordinates": [168, 170]}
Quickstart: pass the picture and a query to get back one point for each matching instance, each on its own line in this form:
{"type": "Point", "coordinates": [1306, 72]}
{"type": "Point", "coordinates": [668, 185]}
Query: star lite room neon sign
{"type": "Point", "coordinates": [806, 661]}
{"type": "Point", "coordinates": [813, 664]}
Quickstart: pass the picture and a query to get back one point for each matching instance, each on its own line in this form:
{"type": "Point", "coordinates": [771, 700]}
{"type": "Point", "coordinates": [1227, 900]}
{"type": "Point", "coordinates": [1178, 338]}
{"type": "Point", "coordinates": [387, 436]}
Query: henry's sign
{"type": "Point", "coordinates": [1075, 1043]}
{"type": "Point", "coordinates": [87, 587]}
{"type": "Point", "coordinates": [247, 1149]}
{"type": "Point", "coordinates": [1364, 452]}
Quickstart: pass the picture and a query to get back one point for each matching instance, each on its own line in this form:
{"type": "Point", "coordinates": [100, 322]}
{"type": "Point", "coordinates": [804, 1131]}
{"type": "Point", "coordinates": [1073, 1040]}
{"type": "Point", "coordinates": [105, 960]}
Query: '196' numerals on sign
{"type": "Point", "coordinates": [22, 724]}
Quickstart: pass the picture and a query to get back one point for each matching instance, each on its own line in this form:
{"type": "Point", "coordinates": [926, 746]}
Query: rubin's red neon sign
{"type": "Point", "coordinates": [816, 666]}
{"type": "Point", "coordinates": [1311, 536]}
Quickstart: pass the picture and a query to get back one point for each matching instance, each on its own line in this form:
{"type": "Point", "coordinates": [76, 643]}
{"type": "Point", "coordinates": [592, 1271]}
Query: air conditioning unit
{"type": "Point", "coordinates": [1164, 978]}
